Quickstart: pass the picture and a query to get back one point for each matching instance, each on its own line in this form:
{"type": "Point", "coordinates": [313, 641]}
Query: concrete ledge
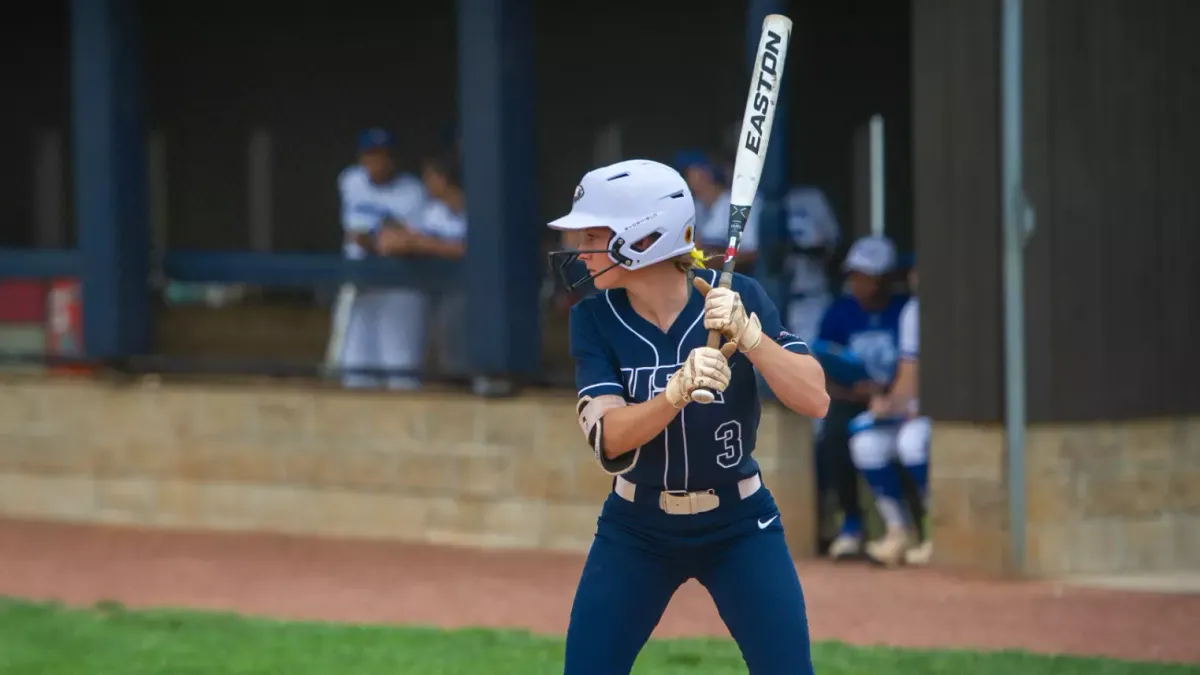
{"type": "Point", "coordinates": [428, 467]}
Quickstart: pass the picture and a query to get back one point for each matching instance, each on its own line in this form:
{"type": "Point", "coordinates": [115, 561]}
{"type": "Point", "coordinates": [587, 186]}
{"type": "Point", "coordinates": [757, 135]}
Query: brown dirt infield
{"type": "Point", "coordinates": [379, 582]}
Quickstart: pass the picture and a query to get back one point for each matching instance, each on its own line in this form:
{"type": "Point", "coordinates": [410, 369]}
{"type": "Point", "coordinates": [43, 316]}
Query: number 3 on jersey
{"type": "Point", "coordinates": [729, 436]}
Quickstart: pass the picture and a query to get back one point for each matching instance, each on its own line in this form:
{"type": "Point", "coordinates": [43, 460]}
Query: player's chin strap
{"type": "Point", "coordinates": [570, 256]}
{"type": "Point", "coordinates": [591, 417]}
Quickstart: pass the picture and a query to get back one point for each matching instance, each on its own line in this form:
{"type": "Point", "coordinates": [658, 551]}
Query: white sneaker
{"type": "Point", "coordinates": [890, 549]}
{"type": "Point", "coordinates": [920, 554]}
{"type": "Point", "coordinates": [845, 546]}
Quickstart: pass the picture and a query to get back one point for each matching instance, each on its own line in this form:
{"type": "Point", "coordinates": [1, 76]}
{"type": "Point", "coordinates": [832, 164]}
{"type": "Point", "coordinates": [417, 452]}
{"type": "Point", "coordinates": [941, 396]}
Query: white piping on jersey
{"type": "Point", "coordinates": [666, 437]}
{"type": "Point", "coordinates": [796, 342]}
{"type": "Point", "coordinates": [599, 384]}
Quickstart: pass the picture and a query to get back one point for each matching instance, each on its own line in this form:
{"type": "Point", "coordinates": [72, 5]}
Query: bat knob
{"type": "Point", "coordinates": [703, 396]}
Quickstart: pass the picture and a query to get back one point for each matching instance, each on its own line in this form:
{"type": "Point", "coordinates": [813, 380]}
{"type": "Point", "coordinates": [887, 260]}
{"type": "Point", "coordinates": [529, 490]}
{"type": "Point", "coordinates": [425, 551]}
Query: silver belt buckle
{"type": "Point", "coordinates": [679, 503]}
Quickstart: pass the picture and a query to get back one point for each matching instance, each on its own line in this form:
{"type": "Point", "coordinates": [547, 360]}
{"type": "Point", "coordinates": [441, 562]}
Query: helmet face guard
{"type": "Point", "coordinates": [563, 259]}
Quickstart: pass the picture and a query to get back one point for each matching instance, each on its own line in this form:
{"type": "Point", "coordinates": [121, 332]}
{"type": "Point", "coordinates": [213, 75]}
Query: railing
{"type": "Point", "coordinates": [313, 274]}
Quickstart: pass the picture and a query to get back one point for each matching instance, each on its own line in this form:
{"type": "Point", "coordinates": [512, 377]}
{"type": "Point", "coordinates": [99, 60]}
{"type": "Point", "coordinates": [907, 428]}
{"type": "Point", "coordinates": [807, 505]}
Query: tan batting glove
{"type": "Point", "coordinates": [725, 313]}
{"type": "Point", "coordinates": [704, 368]}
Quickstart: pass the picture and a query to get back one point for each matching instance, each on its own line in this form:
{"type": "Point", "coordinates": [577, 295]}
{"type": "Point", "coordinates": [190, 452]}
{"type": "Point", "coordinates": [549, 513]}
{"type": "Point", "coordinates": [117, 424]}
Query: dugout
{"type": "Point", "coordinates": [1111, 157]}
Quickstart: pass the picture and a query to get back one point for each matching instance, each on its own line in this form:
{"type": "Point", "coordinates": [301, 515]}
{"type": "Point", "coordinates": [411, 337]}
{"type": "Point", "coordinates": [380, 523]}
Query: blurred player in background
{"type": "Point", "coordinates": [707, 181]}
{"type": "Point", "coordinates": [892, 429]}
{"type": "Point", "coordinates": [813, 235]}
{"type": "Point", "coordinates": [440, 231]}
{"type": "Point", "coordinates": [862, 325]}
{"type": "Point", "coordinates": [383, 323]}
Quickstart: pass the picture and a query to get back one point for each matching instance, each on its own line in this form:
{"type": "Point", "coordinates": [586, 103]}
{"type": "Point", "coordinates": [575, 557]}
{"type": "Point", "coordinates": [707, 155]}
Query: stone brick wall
{"type": "Point", "coordinates": [1102, 498]}
{"type": "Point", "coordinates": [445, 468]}
{"type": "Point", "coordinates": [429, 467]}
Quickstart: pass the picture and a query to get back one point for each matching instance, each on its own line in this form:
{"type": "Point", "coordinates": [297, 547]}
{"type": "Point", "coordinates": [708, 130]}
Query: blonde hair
{"type": "Point", "coordinates": [692, 260]}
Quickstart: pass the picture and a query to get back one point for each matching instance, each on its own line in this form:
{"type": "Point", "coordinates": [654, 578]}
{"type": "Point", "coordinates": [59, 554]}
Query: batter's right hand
{"type": "Point", "coordinates": [704, 368]}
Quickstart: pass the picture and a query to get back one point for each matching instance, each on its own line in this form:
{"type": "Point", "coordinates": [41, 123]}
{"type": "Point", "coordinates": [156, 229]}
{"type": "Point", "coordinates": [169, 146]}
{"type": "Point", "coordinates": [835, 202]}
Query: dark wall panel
{"type": "Point", "coordinates": [1178, 237]}
{"type": "Point", "coordinates": [314, 76]}
{"type": "Point", "coordinates": [849, 60]}
{"type": "Point", "coordinates": [312, 79]}
{"type": "Point", "coordinates": [1039, 188]}
{"type": "Point", "coordinates": [1111, 156]}
{"type": "Point", "coordinates": [35, 89]}
{"type": "Point", "coordinates": [957, 209]}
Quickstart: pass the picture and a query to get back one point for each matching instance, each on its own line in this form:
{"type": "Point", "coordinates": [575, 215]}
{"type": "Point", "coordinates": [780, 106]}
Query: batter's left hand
{"type": "Point", "coordinates": [725, 313]}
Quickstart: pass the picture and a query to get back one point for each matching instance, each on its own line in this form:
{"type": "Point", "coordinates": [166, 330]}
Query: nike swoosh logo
{"type": "Point", "coordinates": [763, 526]}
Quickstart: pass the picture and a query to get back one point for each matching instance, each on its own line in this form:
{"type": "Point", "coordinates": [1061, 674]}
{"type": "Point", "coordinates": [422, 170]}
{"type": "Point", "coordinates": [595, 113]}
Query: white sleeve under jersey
{"type": "Point", "coordinates": [909, 338]}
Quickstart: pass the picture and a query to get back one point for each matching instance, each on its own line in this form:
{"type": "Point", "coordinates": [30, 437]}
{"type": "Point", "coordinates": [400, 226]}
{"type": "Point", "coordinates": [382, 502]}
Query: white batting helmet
{"type": "Point", "coordinates": [635, 199]}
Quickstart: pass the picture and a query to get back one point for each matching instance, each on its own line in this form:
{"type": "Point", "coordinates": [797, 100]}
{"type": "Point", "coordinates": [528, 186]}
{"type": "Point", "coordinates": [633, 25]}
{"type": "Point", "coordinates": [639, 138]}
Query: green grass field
{"type": "Point", "coordinates": [46, 639]}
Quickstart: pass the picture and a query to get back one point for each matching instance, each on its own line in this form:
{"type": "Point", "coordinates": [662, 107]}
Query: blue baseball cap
{"type": "Point", "coordinates": [686, 159]}
{"type": "Point", "coordinates": [376, 138]}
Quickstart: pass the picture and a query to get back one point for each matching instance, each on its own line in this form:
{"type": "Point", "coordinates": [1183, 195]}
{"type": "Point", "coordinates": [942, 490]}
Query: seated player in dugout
{"type": "Point", "coordinates": [861, 326]}
{"type": "Point", "coordinates": [675, 423]}
{"type": "Point", "coordinates": [890, 442]}
{"type": "Point", "coordinates": [710, 190]}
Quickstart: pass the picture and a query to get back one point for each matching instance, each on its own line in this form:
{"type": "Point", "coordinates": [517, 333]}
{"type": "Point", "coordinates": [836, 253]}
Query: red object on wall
{"type": "Point", "coordinates": [64, 323]}
{"type": "Point", "coordinates": [23, 301]}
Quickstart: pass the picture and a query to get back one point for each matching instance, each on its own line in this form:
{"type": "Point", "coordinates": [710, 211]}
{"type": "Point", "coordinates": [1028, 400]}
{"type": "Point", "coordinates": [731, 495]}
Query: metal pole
{"type": "Point", "coordinates": [1017, 224]}
{"type": "Point", "coordinates": [877, 182]}
{"type": "Point", "coordinates": [49, 189]}
{"type": "Point", "coordinates": [258, 186]}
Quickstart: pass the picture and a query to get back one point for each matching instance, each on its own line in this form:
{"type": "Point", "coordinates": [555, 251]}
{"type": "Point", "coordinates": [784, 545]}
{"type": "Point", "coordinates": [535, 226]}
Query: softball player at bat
{"type": "Point", "coordinates": [688, 501]}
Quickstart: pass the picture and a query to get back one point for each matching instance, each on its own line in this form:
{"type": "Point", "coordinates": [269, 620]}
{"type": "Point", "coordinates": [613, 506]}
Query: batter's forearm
{"type": "Point", "coordinates": [631, 427]}
{"type": "Point", "coordinates": [797, 380]}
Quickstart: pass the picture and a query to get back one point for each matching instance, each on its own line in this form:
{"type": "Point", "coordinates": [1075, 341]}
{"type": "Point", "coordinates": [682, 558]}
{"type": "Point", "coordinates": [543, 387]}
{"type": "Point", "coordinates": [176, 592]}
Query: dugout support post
{"type": "Point", "coordinates": [503, 270]}
{"type": "Point", "coordinates": [109, 175]}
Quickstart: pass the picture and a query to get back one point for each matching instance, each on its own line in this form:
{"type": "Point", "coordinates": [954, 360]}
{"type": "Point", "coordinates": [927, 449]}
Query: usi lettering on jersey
{"type": "Point", "coordinates": [616, 351]}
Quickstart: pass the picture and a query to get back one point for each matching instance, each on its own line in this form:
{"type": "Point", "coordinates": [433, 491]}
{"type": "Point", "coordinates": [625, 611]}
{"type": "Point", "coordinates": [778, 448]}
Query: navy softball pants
{"type": "Point", "coordinates": [641, 555]}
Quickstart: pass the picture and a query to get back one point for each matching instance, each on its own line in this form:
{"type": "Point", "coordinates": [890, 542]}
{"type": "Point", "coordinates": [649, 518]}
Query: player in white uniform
{"type": "Point", "coordinates": [441, 231]}
{"type": "Point", "coordinates": [874, 447]}
{"type": "Point", "coordinates": [813, 234]}
{"type": "Point", "coordinates": [386, 325]}
{"type": "Point", "coordinates": [707, 183]}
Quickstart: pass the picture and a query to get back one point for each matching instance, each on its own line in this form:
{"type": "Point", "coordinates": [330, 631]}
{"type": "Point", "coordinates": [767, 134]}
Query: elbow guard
{"type": "Point", "coordinates": [591, 421]}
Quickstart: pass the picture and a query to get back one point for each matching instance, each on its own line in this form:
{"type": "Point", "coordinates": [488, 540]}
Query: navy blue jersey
{"type": "Point", "coordinates": [871, 336]}
{"type": "Point", "coordinates": [616, 351]}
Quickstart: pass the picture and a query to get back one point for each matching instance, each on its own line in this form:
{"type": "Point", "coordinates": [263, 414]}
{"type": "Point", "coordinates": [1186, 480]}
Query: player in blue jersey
{"type": "Point", "coordinates": [688, 501]}
{"type": "Point", "coordinates": [893, 429]}
{"type": "Point", "coordinates": [863, 324]}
